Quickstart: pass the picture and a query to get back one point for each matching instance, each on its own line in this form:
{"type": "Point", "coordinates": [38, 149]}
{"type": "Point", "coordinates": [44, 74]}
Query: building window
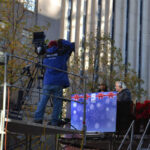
{"type": "Point", "coordinates": [26, 40]}
{"type": "Point", "coordinates": [99, 18]}
{"type": "Point", "coordinates": [84, 23]}
{"type": "Point", "coordinates": [29, 4]}
{"type": "Point", "coordinates": [26, 34]}
{"type": "Point", "coordinates": [127, 31]}
{"type": "Point", "coordinates": [112, 31]}
{"type": "Point", "coordinates": [140, 39]}
{"type": "Point", "coordinates": [113, 19]}
{"type": "Point", "coordinates": [69, 15]}
{"type": "Point", "coordinates": [99, 21]}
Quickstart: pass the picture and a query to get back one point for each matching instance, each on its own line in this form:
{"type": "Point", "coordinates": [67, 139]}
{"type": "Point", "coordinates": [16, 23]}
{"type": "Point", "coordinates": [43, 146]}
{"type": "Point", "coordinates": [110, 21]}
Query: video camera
{"type": "Point", "coordinates": [39, 43]}
{"type": "Point", "coordinates": [40, 46]}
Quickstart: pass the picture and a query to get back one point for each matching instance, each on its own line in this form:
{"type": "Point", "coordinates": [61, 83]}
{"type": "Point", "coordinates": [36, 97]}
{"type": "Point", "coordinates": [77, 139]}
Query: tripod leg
{"type": "Point", "coordinates": [19, 99]}
{"type": "Point", "coordinates": [26, 92]}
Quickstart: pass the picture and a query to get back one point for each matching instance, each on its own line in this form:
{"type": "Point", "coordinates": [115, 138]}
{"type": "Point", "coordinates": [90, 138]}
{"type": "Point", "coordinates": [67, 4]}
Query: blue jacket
{"type": "Point", "coordinates": [57, 58]}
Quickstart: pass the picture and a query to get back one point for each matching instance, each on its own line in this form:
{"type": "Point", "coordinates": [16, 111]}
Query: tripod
{"type": "Point", "coordinates": [33, 74]}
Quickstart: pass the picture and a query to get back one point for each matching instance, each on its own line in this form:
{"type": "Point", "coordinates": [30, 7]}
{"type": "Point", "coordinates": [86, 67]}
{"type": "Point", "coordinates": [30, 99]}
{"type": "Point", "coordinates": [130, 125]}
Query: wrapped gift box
{"type": "Point", "coordinates": [101, 111]}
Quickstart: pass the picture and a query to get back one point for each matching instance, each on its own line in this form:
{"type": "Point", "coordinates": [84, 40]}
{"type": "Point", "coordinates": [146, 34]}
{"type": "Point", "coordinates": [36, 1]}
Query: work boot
{"type": "Point", "coordinates": [38, 121]}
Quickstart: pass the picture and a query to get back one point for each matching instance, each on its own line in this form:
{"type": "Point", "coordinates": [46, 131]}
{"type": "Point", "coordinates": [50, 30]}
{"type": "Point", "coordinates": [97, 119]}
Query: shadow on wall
{"type": "Point", "coordinates": [50, 12]}
{"type": "Point", "coordinates": [53, 31]}
{"type": "Point", "coordinates": [54, 22]}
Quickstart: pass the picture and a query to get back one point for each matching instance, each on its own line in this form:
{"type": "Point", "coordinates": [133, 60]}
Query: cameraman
{"type": "Point", "coordinates": [54, 81]}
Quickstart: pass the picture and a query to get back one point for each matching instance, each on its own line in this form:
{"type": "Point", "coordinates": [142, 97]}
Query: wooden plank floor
{"type": "Point", "coordinates": [30, 128]}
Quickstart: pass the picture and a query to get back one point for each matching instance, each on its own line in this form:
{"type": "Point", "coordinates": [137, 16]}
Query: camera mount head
{"type": "Point", "coordinates": [39, 42]}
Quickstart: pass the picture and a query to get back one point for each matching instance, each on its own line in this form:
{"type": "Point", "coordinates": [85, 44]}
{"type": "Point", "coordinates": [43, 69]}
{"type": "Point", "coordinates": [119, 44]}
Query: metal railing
{"type": "Point", "coordinates": [142, 138]}
{"type": "Point", "coordinates": [5, 85]}
{"type": "Point", "coordinates": [131, 138]}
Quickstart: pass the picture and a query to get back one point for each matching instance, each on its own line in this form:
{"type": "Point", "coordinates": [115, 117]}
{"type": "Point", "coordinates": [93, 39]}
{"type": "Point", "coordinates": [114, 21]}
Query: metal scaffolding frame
{"type": "Point", "coordinates": [3, 111]}
{"type": "Point", "coordinates": [20, 124]}
{"type": "Point", "coordinates": [142, 138]}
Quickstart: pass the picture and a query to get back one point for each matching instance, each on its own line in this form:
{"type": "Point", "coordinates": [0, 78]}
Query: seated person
{"type": "Point", "coordinates": [123, 93]}
{"type": "Point", "coordinates": [102, 87]}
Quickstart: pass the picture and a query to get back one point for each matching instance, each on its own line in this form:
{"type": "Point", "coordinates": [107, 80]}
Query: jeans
{"type": "Point", "coordinates": [57, 103]}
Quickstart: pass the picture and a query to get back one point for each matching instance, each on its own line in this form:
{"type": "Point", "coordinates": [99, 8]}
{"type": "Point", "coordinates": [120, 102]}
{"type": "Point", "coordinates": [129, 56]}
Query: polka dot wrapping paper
{"type": "Point", "coordinates": [101, 109]}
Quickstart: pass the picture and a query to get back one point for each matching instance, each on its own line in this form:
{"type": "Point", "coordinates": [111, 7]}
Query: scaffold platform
{"type": "Point", "coordinates": [30, 128]}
